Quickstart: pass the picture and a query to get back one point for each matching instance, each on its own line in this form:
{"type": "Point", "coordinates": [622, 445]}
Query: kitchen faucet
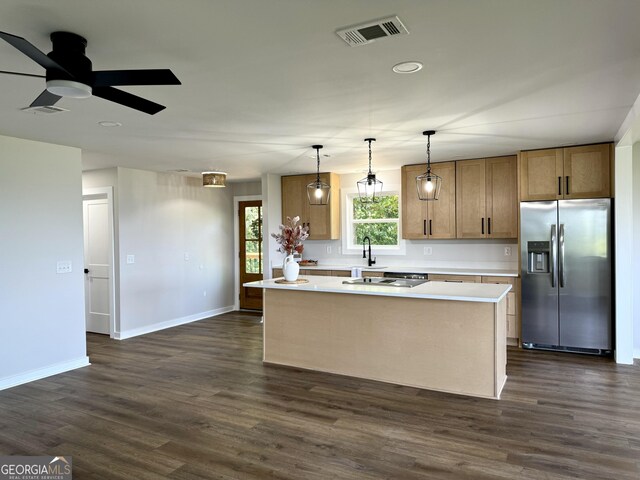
{"type": "Point", "coordinates": [364, 255]}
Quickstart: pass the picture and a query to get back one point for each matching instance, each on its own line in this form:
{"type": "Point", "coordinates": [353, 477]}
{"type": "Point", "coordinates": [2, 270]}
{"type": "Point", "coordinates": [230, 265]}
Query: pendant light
{"type": "Point", "coordinates": [369, 188]}
{"type": "Point", "coordinates": [428, 184]}
{"type": "Point", "coordinates": [318, 191]}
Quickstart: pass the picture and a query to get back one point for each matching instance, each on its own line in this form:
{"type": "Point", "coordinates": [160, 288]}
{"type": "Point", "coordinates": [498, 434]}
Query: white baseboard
{"type": "Point", "coordinates": [38, 373]}
{"type": "Point", "coordinates": [123, 335]}
{"type": "Point", "coordinates": [636, 353]}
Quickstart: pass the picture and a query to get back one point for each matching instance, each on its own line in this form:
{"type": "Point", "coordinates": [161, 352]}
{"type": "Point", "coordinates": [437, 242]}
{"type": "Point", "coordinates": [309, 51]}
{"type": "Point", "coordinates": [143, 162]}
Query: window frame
{"type": "Point", "coordinates": [348, 245]}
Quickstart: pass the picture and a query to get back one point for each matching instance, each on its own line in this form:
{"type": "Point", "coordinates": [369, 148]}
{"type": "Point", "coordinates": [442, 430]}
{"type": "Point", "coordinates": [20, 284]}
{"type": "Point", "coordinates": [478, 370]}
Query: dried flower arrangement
{"type": "Point", "coordinates": [291, 236]}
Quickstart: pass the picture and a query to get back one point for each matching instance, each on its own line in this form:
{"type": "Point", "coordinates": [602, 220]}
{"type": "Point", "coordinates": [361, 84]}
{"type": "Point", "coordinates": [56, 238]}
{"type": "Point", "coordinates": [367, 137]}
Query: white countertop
{"type": "Point", "coordinates": [464, 292]}
{"type": "Point", "coordinates": [485, 272]}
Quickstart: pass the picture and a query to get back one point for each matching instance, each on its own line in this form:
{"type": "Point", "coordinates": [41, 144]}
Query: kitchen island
{"type": "Point", "coordinates": [440, 336]}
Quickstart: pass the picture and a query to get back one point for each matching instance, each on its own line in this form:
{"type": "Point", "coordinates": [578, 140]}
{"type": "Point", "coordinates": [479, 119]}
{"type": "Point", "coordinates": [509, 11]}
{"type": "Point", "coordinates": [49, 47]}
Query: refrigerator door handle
{"type": "Point", "coordinates": [554, 256]}
{"type": "Point", "coordinates": [561, 255]}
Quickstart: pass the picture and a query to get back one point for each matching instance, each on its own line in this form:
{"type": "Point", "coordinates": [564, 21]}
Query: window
{"type": "Point", "coordinates": [380, 221]}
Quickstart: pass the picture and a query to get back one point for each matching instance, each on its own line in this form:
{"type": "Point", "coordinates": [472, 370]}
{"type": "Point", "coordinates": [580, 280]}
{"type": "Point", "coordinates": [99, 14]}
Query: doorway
{"type": "Point", "coordinates": [98, 260]}
{"type": "Point", "coordinates": [250, 252]}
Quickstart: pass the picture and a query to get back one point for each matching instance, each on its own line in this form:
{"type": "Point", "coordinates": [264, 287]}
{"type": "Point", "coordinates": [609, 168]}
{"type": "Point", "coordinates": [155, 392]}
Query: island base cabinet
{"type": "Point", "coordinates": [449, 346]}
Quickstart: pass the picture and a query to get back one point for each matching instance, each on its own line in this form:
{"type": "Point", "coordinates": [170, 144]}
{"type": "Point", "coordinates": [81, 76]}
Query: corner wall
{"type": "Point", "coordinates": [42, 325]}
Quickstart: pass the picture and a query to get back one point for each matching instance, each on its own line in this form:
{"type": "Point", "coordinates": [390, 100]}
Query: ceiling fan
{"type": "Point", "coordinates": [69, 74]}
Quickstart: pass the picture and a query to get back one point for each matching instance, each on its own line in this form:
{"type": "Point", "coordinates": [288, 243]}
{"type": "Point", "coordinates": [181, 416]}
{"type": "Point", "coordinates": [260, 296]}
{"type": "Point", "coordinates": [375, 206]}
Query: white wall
{"type": "Point", "coordinates": [42, 326]}
{"type": "Point", "coordinates": [162, 219]}
{"type": "Point", "coordinates": [635, 286]}
{"type": "Point", "coordinates": [272, 213]}
{"type": "Point", "coordinates": [246, 188]}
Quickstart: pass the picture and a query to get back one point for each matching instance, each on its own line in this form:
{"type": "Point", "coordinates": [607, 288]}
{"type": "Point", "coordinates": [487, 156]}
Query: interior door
{"type": "Point", "coordinates": [250, 253]}
{"type": "Point", "coordinates": [97, 265]}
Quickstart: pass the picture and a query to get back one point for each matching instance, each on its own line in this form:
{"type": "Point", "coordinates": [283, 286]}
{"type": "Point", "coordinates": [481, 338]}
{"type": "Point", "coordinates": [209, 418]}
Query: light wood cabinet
{"type": "Point", "coordinates": [429, 219]}
{"type": "Point", "coordinates": [277, 272]}
{"type": "Point", "coordinates": [513, 308]}
{"type": "Point", "coordinates": [566, 173]}
{"type": "Point", "coordinates": [436, 277]}
{"type": "Point", "coordinates": [487, 198]}
{"type": "Point", "coordinates": [587, 172]}
{"type": "Point", "coordinates": [323, 220]}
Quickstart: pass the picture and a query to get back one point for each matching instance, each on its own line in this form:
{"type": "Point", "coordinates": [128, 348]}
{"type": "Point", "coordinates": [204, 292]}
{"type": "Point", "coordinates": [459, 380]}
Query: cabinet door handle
{"type": "Point", "coordinates": [566, 192]}
{"type": "Point", "coordinates": [489, 225]}
{"type": "Point", "coordinates": [482, 225]}
{"type": "Point", "coordinates": [559, 185]}
{"type": "Point", "coordinates": [424, 227]}
{"type": "Point", "coordinates": [430, 227]}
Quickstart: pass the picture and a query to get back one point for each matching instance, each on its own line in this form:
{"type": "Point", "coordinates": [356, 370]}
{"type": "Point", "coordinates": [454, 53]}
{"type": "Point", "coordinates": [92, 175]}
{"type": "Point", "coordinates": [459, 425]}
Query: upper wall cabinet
{"type": "Point", "coordinates": [433, 219]}
{"type": "Point", "coordinates": [323, 220]}
{"type": "Point", "coordinates": [486, 198]}
{"type": "Point", "coordinates": [574, 172]}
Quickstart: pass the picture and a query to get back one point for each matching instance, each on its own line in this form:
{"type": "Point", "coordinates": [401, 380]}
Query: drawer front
{"type": "Point", "coordinates": [277, 273]}
{"type": "Point", "coordinates": [509, 280]}
{"type": "Point", "coordinates": [455, 278]}
{"type": "Point", "coordinates": [340, 273]}
{"type": "Point", "coordinates": [372, 274]}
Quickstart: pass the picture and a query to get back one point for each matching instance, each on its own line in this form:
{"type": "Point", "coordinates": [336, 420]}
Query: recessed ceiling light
{"type": "Point", "coordinates": [107, 123]}
{"type": "Point", "coordinates": [407, 67]}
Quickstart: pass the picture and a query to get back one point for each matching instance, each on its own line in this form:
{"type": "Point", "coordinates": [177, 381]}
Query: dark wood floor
{"type": "Point", "coordinates": [195, 402]}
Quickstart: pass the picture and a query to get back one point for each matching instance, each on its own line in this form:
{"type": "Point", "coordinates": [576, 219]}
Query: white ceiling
{"type": "Point", "coordinates": [262, 80]}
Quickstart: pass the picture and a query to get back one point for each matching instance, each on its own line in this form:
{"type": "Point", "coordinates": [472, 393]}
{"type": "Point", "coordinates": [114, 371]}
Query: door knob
{"type": "Point", "coordinates": [86, 270]}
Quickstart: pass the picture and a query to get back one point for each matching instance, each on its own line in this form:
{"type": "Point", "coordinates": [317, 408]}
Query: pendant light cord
{"type": "Point", "coordinates": [428, 153]}
{"type": "Point", "coordinates": [369, 140]}
{"type": "Point", "coordinates": [318, 166]}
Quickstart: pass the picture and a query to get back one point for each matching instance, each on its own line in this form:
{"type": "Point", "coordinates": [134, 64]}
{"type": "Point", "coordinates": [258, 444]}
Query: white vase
{"type": "Point", "coordinates": [290, 268]}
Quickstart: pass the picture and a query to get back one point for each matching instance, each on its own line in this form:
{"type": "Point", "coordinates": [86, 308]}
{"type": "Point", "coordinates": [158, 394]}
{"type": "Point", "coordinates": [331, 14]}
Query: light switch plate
{"type": "Point", "coordinates": [131, 259]}
{"type": "Point", "coordinates": [64, 266]}
{"type": "Point", "coordinates": [186, 257]}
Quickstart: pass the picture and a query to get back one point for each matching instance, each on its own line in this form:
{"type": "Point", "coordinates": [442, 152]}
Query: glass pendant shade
{"type": "Point", "coordinates": [318, 192]}
{"type": "Point", "coordinates": [369, 188]}
{"type": "Point", "coordinates": [428, 184]}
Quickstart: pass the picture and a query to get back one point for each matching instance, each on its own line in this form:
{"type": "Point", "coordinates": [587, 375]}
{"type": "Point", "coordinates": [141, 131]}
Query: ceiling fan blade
{"type": "Point", "coordinates": [32, 52]}
{"type": "Point", "coordinates": [6, 72]}
{"type": "Point", "coordinates": [111, 78]}
{"type": "Point", "coordinates": [45, 99]}
{"type": "Point", "coordinates": [128, 100]}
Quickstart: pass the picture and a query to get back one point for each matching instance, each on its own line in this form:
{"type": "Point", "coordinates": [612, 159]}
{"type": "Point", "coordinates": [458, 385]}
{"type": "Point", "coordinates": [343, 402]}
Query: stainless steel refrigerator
{"type": "Point", "coordinates": [566, 271]}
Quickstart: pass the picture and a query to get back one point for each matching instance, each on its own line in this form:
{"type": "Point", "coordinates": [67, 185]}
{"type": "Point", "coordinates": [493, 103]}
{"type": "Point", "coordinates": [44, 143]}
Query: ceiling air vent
{"type": "Point", "coordinates": [44, 109]}
{"type": "Point", "coordinates": [371, 31]}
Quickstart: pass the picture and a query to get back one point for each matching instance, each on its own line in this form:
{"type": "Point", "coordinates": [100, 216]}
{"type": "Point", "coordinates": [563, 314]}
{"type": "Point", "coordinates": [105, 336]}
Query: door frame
{"type": "Point", "coordinates": [96, 193]}
{"type": "Point", "coordinates": [236, 244]}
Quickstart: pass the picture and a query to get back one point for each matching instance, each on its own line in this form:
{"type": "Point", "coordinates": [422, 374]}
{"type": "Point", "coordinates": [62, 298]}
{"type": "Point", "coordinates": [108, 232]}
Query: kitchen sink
{"type": "Point", "coordinates": [386, 282]}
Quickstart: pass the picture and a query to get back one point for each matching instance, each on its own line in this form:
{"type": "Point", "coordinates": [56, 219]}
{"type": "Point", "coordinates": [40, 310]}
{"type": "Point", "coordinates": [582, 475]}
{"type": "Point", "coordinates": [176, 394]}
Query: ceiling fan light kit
{"type": "Point", "coordinates": [69, 88]}
{"type": "Point", "coordinates": [428, 184]}
{"type": "Point", "coordinates": [69, 73]}
{"type": "Point", "coordinates": [318, 192]}
{"type": "Point", "coordinates": [369, 188]}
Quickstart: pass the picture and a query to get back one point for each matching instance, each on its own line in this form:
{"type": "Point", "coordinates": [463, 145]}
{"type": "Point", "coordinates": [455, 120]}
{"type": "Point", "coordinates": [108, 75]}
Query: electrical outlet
{"type": "Point", "coordinates": [186, 256]}
{"type": "Point", "coordinates": [329, 249]}
{"type": "Point", "coordinates": [428, 250]}
{"type": "Point", "coordinates": [131, 259]}
{"type": "Point", "coordinates": [507, 251]}
{"type": "Point", "coordinates": [64, 267]}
